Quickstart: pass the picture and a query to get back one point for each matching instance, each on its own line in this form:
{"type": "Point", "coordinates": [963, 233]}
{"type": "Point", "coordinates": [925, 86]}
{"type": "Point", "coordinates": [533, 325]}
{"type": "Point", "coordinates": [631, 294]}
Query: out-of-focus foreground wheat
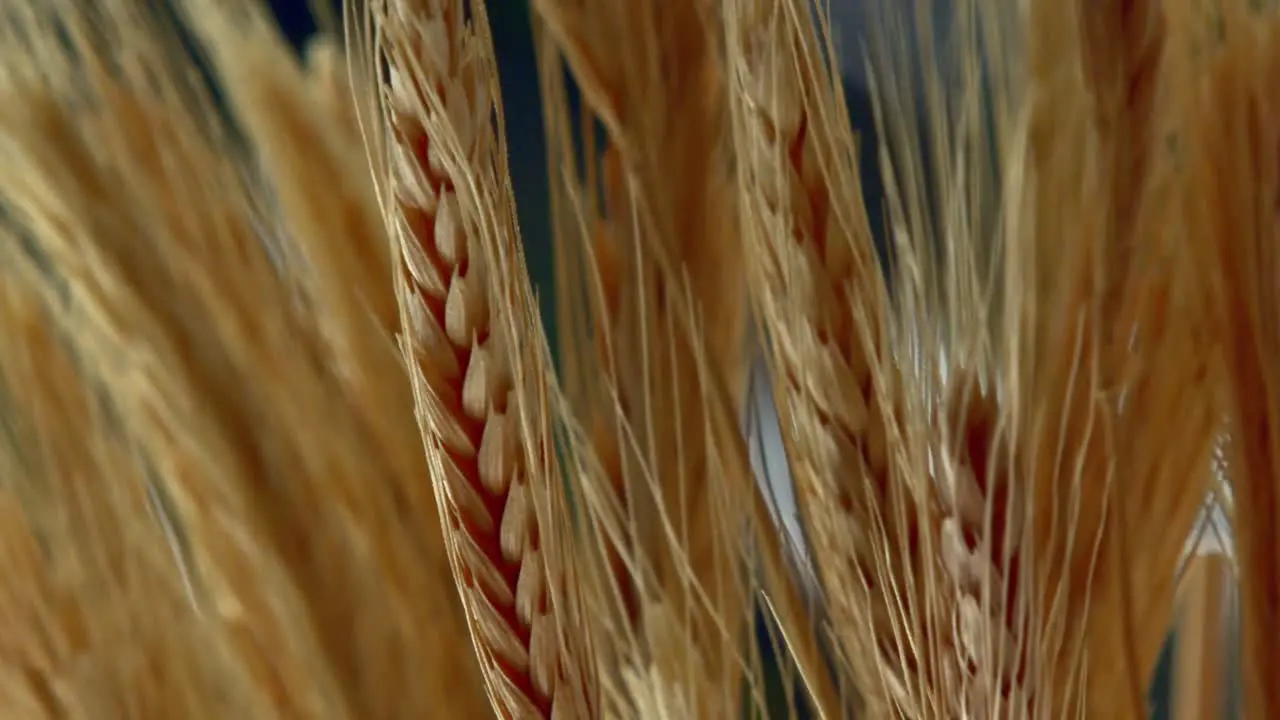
{"type": "Point", "coordinates": [282, 436]}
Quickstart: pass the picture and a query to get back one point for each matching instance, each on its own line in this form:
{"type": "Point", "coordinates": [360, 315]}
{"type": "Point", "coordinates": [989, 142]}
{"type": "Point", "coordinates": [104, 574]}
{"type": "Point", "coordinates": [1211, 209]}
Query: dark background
{"type": "Point", "coordinates": [510, 25]}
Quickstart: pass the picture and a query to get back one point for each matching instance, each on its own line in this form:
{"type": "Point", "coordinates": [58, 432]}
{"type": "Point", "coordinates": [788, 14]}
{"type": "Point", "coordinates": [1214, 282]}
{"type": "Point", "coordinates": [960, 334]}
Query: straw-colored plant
{"type": "Point", "coordinates": [283, 437]}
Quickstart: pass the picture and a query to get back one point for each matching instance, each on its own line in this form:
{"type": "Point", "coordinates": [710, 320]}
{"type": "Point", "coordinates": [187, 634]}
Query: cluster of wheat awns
{"type": "Point", "coordinates": [282, 437]}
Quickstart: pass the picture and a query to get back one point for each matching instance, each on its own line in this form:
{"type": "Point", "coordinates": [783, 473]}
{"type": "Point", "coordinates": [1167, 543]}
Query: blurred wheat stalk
{"type": "Point", "coordinates": [282, 436]}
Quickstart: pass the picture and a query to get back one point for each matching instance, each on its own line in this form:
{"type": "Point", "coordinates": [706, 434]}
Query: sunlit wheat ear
{"type": "Point", "coordinates": [652, 311]}
{"type": "Point", "coordinates": [261, 389]}
{"type": "Point", "coordinates": [1231, 143]}
{"type": "Point", "coordinates": [477, 358]}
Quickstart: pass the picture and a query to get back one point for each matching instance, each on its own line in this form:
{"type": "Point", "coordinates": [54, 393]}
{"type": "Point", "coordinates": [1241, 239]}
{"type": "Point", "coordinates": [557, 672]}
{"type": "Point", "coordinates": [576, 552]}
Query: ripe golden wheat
{"type": "Point", "coordinates": [282, 434]}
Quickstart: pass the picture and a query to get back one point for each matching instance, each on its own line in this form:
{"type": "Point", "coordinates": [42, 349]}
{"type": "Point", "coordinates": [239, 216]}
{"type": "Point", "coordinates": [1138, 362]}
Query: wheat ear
{"type": "Point", "coordinates": [97, 619]}
{"type": "Point", "coordinates": [472, 341]}
{"type": "Point", "coordinates": [1019, 506]}
{"type": "Point", "coordinates": [821, 299]}
{"type": "Point", "coordinates": [649, 292]}
{"type": "Point", "coordinates": [963, 656]}
{"type": "Point", "coordinates": [1054, 573]}
{"type": "Point", "coordinates": [88, 260]}
{"type": "Point", "coordinates": [230, 319]}
{"type": "Point", "coordinates": [1095, 372]}
{"type": "Point", "coordinates": [1060, 586]}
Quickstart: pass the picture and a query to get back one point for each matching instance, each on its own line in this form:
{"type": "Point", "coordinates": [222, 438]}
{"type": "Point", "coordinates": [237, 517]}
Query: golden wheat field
{"type": "Point", "coordinates": [283, 435]}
